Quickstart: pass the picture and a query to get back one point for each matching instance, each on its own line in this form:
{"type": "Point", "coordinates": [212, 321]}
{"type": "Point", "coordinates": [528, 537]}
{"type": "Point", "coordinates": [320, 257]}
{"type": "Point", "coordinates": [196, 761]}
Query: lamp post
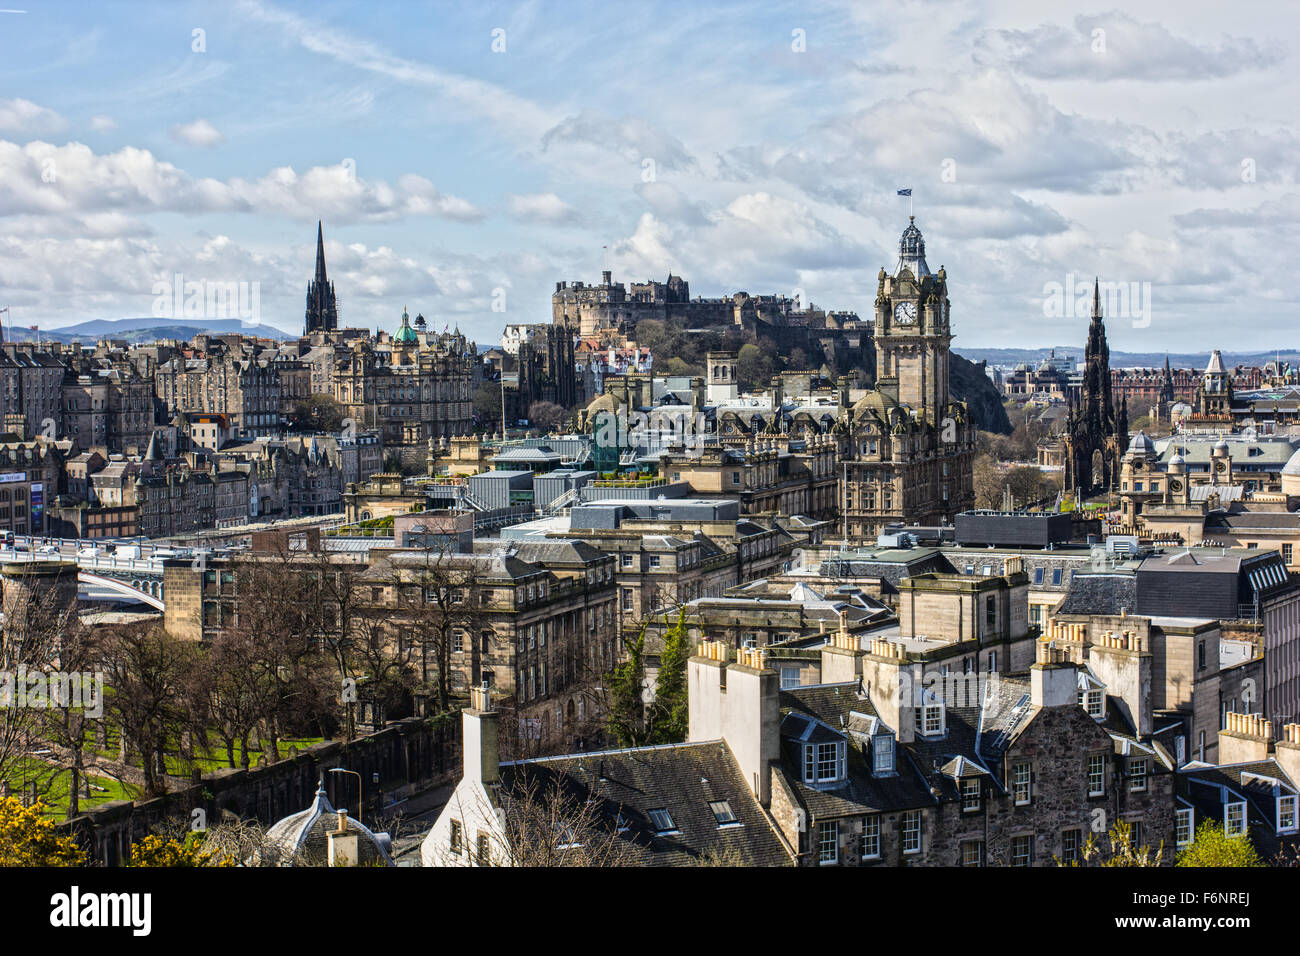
{"type": "Point", "coordinates": [360, 805]}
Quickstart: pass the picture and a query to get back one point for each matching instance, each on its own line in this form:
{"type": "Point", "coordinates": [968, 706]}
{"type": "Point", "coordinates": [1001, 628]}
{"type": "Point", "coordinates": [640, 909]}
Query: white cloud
{"type": "Point", "coordinates": [1114, 46]}
{"type": "Point", "coordinates": [24, 116]}
{"type": "Point", "coordinates": [541, 207]}
{"type": "Point", "coordinates": [198, 133]}
{"type": "Point", "coordinates": [102, 124]}
{"type": "Point", "coordinates": [135, 181]}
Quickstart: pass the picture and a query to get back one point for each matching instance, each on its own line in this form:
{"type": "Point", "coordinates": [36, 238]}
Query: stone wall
{"type": "Point", "coordinates": [404, 755]}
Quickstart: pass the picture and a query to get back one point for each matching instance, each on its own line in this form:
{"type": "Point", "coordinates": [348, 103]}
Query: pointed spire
{"type": "Point", "coordinates": [322, 310]}
{"type": "Point", "coordinates": [1096, 297]}
{"type": "Point", "coordinates": [154, 451]}
{"type": "Point", "coordinates": [320, 252]}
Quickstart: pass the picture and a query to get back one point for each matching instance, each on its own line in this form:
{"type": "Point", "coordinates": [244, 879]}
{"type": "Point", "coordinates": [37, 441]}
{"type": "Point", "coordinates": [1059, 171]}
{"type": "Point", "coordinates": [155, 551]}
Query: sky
{"type": "Point", "coordinates": [466, 157]}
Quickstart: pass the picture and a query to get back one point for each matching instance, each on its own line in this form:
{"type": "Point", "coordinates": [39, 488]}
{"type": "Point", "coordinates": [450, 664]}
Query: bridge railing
{"type": "Point", "coordinates": [110, 563]}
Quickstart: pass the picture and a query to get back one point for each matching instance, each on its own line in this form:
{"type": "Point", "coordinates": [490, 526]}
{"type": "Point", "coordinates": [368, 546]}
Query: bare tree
{"type": "Point", "coordinates": [145, 668]}
{"type": "Point", "coordinates": [550, 821]}
{"type": "Point", "coordinates": [45, 648]}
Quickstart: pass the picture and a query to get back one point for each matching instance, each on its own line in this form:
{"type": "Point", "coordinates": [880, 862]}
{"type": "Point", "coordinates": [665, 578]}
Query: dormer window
{"type": "Point", "coordinates": [882, 754]}
{"type": "Point", "coordinates": [823, 763]}
{"type": "Point", "coordinates": [1093, 700]}
{"type": "Point", "coordinates": [1137, 772]}
{"type": "Point", "coordinates": [1234, 819]}
{"type": "Point", "coordinates": [929, 715]}
{"type": "Point", "coordinates": [1286, 814]}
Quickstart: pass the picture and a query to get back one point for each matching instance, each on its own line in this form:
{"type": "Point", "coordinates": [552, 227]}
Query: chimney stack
{"type": "Point", "coordinates": [1245, 738]}
{"type": "Point", "coordinates": [1287, 752]}
{"type": "Point", "coordinates": [740, 704]}
{"type": "Point", "coordinates": [344, 844]}
{"type": "Point", "coordinates": [481, 727]}
{"type": "Point", "coordinates": [1053, 677]}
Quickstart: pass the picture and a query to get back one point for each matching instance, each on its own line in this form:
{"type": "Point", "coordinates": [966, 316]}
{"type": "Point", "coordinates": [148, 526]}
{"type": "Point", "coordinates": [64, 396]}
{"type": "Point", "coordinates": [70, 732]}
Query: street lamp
{"type": "Point", "coordinates": [358, 776]}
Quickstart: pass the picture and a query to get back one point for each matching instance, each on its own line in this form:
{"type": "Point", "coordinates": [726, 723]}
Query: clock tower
{"type": "Point", "coordinates": [912, 333]}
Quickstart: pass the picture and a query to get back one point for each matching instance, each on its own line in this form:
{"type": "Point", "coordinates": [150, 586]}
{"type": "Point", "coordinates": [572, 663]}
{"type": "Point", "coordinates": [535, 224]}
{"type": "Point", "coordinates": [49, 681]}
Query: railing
{"type": "Point", "coordinates": [629, 482]}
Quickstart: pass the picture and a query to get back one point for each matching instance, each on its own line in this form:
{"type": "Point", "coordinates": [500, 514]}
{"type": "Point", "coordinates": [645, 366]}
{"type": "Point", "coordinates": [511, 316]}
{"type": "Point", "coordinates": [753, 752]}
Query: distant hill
{"type": "Point", "coordinates": [1198, 360]}
{"type": "Point", "coordinates": [968, 383]}
{"type": "Point", "coordinates": [144, 329]}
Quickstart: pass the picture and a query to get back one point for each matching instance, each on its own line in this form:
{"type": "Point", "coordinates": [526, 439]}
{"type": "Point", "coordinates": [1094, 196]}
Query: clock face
{"type": "Point", "coordinates": [905, 313]}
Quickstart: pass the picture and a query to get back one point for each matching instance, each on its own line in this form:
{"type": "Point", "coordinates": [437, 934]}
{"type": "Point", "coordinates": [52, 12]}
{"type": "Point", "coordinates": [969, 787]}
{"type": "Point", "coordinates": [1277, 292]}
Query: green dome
{"type": "Point", "coordinates": [405, 335]}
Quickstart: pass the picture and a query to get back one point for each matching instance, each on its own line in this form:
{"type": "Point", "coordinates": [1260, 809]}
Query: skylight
{"type": "Point", "coordinates": [722, 812]}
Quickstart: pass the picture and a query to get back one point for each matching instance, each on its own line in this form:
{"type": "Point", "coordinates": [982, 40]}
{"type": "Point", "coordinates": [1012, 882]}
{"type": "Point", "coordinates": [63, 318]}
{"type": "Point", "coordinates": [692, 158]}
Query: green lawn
{"type": "Point", "coordinates": [213, 758]}
{"type": "Point", "coordinates": [102, 789]}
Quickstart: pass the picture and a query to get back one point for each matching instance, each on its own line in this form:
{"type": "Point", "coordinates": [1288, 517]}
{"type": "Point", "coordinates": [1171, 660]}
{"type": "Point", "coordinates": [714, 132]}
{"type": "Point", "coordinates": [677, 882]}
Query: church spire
{"type": "Point", "coordinates": [322, 310]}
{"type": "Point", "coordinates": [320, 253]}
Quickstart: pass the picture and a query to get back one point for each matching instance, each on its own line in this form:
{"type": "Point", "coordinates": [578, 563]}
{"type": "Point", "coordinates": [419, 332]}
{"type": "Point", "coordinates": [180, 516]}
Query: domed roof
{"type": "Point", "coordinates": [1141, 444]}
{"type": "Point", "coordinates": [302, 839]}
{"type": "Point", "coordinates": [1292, 467]}
{"type": "Point", "coordinates": [1178, 459]}
{"type": "Point", "coordinates": [911, 251]}
{"type": "Point", "coordinates": [875, 401]}
{"type": "Point", "coordinates": [605, 402]}
{"type": "Point", "coordinates": [1221, 446]}
{"type": "Point", "coordinates": [405, 335]}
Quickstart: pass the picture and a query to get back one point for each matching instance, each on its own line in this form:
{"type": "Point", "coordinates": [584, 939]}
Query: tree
{"type": "Point", "coordinates": [28, 839]}
{"type": "Point", "coordinates": [670, 712]}
{"type": "Point", "coordinates": [160, 851]}
{"type": "Point", "coordinates": [1211, 847]}
{"type": "Point", "coordinates": [319, 413]}
{"type": "Point", "coordinates": [546, 415]}
{"type": "Point", "coordinates": [627, 711]}
{"type": "Point", "coordinates": [146, 667]}
{"type": "Point", "coordinates": [553, 821]}
{"type": "Point", "coordinates": [1119, 850]}
{"type": "Point", "coordinates": [36, 617]}
{"type": "Point", "coordinates": [664, 720]}
{"type": "Point", "coordinates": [754, 366]}
{"type": "Point", "coordinates": [441, 609]}
{"type": "Point", "coordinates": [988, 482]}
{"type": "Point", "coordinates": [231, 681]}
{"type": "Point", "coordinates": [487, 406]}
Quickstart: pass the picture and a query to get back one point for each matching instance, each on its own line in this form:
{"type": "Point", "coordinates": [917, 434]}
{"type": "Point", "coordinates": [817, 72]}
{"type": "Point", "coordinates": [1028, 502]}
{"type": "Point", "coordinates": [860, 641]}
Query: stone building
{"type": "Point", "coordinates": [31, 477]}
{"type": "Point", "coordinates": [906, 449]}
{"type": "Point", "coordinates": [31, 381]}
{"type": "Point", "coordinates": [408, 388]}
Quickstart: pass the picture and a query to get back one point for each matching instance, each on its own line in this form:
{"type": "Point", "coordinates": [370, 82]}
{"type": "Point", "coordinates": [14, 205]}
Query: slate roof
{"type": "Point", "coordinates": [1204, 787]}
{"type": "Point", "coordinates": [831, 706]}
{"type": "Point", "coordinates": [1101, 593]}
{"type": "Point", "coordinates": [680, 778]}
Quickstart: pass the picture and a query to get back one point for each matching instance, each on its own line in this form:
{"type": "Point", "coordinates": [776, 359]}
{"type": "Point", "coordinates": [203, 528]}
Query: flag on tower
{"type": "Point", "coordinates": [905, 192]}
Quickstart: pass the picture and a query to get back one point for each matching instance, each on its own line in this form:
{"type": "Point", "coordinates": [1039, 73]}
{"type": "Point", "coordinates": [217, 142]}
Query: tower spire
{"type": "Point", "coordinates": [322, 310]}
{"type": "Point", "coordinates": [320, 252]}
